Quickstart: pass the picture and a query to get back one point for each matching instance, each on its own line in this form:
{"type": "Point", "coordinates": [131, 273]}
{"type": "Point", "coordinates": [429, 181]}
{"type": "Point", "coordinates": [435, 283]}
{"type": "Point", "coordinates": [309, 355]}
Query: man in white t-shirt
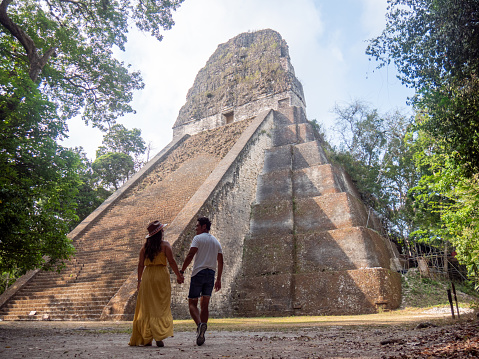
{"type": "Point", "coordinates": [208, 252]}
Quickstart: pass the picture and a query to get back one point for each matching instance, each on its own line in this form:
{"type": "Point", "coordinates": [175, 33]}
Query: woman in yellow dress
{"type": "Point", "coordinates": [153, 319]}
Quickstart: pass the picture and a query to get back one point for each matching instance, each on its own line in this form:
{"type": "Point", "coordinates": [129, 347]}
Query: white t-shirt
{"type": "Point", "coordinates": [208, 249]}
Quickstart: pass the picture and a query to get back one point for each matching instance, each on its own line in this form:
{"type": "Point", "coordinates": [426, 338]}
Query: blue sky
{"type": "Point", "coordinates": [327, 42]}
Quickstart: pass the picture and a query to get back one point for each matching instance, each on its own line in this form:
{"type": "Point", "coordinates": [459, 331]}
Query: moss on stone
{"type": "Point", "coordinates": [239, 71]}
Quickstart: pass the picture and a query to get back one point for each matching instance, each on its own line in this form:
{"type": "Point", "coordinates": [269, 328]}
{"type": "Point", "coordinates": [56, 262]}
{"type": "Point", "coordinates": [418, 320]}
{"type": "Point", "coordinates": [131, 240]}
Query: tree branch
{"type": "Point", "coordinates": [86, 88]}
{"type": "Point", "coordinates": [36, 62]}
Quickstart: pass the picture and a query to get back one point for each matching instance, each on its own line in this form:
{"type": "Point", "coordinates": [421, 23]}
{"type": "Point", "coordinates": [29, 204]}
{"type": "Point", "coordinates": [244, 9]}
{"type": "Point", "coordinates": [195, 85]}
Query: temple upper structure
{"type": "Point", "coordinates": [246, 75]}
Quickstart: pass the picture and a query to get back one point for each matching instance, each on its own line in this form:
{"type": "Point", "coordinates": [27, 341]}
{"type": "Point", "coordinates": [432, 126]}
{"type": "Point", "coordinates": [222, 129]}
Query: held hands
{"type": "Point", "coordinates": [180, 279]}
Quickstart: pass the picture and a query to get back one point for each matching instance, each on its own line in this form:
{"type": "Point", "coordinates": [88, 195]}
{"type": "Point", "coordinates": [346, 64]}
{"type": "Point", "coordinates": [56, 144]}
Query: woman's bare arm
{"type": "Point", "coordinates": [165, 246]}
{"type": "Point", "coordinates": [141, 265]}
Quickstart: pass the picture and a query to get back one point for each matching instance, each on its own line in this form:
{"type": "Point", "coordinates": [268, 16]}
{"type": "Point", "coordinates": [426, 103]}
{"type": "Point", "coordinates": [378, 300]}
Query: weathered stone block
{"type": "Point", "coordinates": [300, 114]}
{"type": "Point", "coordinates": [285, 135]}
{"type": "Point", "coordinates": [277, 158]}
{"type": "Point", "coordinates": [295, 113]}
{"type": "Point", "coordinates": [293, 134]}
{"type": "Point", "coordinates": [315, 181]}
{"type": "Point", "coordinates": [275, 185]}
{"type": "Point", "coordinates": [308, 154]}
{"type": "Point", "coordinates": [283, 119]}
{"type": "Point", "coordinates": [351, 292]}
{"type": "Point", "coordinates": [332, 211]}
{"type": "Point", "coordinates": [345, 181]}
{"type": "Point", "coordinates": [322, 179]}
{"type": "Point", "coordinates": [272, 217]}
{"type": "Point", "coordinates": [374, 222]}
{"type": "Point", "coordinates": [304, 132]}
{"type": "Point", "coordinates": [268, 255]}
{"type": "Point", "coordinates": [341, 249]}
{"type": "Point", "coordinates": [270, 295]}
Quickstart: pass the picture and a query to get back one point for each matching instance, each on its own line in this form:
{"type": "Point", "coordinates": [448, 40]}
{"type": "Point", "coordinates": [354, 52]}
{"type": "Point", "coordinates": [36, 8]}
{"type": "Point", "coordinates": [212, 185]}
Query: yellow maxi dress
{"type": "Point", "coordinates": [153, 319]}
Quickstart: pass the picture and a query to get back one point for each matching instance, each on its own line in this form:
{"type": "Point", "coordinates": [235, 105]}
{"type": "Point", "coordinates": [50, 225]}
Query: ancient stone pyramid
{"type": "Point", "coordinates": [296, 237]}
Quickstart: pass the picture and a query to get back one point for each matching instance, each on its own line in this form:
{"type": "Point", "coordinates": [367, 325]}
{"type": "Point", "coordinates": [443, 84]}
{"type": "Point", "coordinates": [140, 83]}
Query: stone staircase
{"type": "Point", "coordinates": [311, 238]}
{"type": "Point", "coordinates": [107, 247]}
{"type": "Point", "coordinates": [80, 291]}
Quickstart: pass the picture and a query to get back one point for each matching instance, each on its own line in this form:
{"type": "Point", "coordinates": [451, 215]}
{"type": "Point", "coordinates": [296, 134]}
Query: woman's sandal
{"type": "Point", "coordinates": [160, 343]}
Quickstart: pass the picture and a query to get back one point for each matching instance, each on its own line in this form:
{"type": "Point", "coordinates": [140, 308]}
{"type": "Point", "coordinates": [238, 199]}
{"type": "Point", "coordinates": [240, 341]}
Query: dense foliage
{"type": "Point", "coordinates": [38, 181]}
{"type": "Point", "coordinates": [56, 62]}
{"type": "Point", "coordinates": [65, 47]}
{"type": "Point", "coordinates": [376, 151]}
{"type": "Point", "coordinates": [446, 205]}
{"type": "Point", "coordinates": [435, 46]}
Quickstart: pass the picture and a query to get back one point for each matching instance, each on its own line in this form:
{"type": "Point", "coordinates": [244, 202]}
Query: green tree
{"type": "Point", "coordinates": [38, 184]}
{"type": "Point", "coordinates": [434, 45]}
{"type": "Point", "coordinates": [376, 151]}
{"type": "Point", "coordinates": [113, 169]}
{"type": "Point", "coordinates": [129, 142]}
{"type": "Point", "coordinates": [90, 194]}
{"type": "Point", "coordinates": [446, 204]}
{"type": "Point", "coordinates": [361, 133]}
{"type": "Point", "coordinates": [65, 49]}
{"type": "Point", "coordinates": [399, 175]}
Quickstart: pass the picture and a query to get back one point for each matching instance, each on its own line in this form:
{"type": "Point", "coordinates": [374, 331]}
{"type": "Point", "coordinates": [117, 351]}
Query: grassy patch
{"type": "Point", "coordinates": [422, 292]}
{"type": "Point", "coordinates": [278, 324]}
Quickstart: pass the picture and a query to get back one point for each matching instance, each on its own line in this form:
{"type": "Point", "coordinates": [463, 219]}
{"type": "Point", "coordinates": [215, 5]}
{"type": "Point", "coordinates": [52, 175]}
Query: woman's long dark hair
{"type": "Point", "coordinates": [153, 245]}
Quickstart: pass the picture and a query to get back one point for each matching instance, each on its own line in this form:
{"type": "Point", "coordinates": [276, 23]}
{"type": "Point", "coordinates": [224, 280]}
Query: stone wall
{"type": "Point", "coordinates": [312, 247]}
{"type": "Point", "coordinates": [238, 112]}
{"type": "Point", "coordinates": [229, 208]}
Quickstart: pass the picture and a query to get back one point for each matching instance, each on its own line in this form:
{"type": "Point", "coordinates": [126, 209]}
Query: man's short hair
{"type": "Point", "coordinates": [203, 221]}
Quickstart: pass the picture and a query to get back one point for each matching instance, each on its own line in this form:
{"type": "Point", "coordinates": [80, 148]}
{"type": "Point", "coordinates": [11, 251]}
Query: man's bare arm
{"type": "Point", "coordinates": [219, 272]}
{"type": "Point", "coordinates": [189, 258]}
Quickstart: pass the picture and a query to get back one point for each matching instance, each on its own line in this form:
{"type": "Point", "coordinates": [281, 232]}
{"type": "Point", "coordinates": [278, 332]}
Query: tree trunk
{"type": "Point", "coordinates": [36, 61]}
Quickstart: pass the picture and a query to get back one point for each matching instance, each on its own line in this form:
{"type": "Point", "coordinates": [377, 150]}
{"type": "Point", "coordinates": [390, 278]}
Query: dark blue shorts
{"type": "Point", "coordinates": [202, 284]}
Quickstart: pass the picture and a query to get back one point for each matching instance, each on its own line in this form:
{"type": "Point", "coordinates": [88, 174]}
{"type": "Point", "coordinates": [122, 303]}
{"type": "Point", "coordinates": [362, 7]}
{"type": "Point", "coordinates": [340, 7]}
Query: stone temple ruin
{"type": "Point", "coordinates": [297, 239]}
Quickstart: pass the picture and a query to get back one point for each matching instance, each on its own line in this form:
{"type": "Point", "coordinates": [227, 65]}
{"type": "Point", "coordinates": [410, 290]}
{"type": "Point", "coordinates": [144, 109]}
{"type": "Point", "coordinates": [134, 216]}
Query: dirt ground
{"type": "Point", "coordinates": [395, 335]}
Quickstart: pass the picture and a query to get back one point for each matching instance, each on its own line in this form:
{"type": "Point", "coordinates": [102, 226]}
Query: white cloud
{"type": "Point", "coordinates": [373, 17]}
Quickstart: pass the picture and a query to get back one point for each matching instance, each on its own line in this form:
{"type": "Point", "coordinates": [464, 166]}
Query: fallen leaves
{"type": "Point", "coordinates": [459, 341]}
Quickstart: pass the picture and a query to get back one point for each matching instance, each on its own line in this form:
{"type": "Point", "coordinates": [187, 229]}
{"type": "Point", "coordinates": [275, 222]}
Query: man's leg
{"type": "Point", "coordinates": [194, 311]}
{"type": "Point", "coordinates": [200, 339]}
{"type": "Point", "coordinates": [204, 303]}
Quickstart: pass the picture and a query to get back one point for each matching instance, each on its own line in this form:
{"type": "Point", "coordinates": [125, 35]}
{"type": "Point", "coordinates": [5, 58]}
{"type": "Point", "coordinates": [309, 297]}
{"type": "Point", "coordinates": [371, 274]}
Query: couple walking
{"type": "Point", "coordinates": [153, 319]}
